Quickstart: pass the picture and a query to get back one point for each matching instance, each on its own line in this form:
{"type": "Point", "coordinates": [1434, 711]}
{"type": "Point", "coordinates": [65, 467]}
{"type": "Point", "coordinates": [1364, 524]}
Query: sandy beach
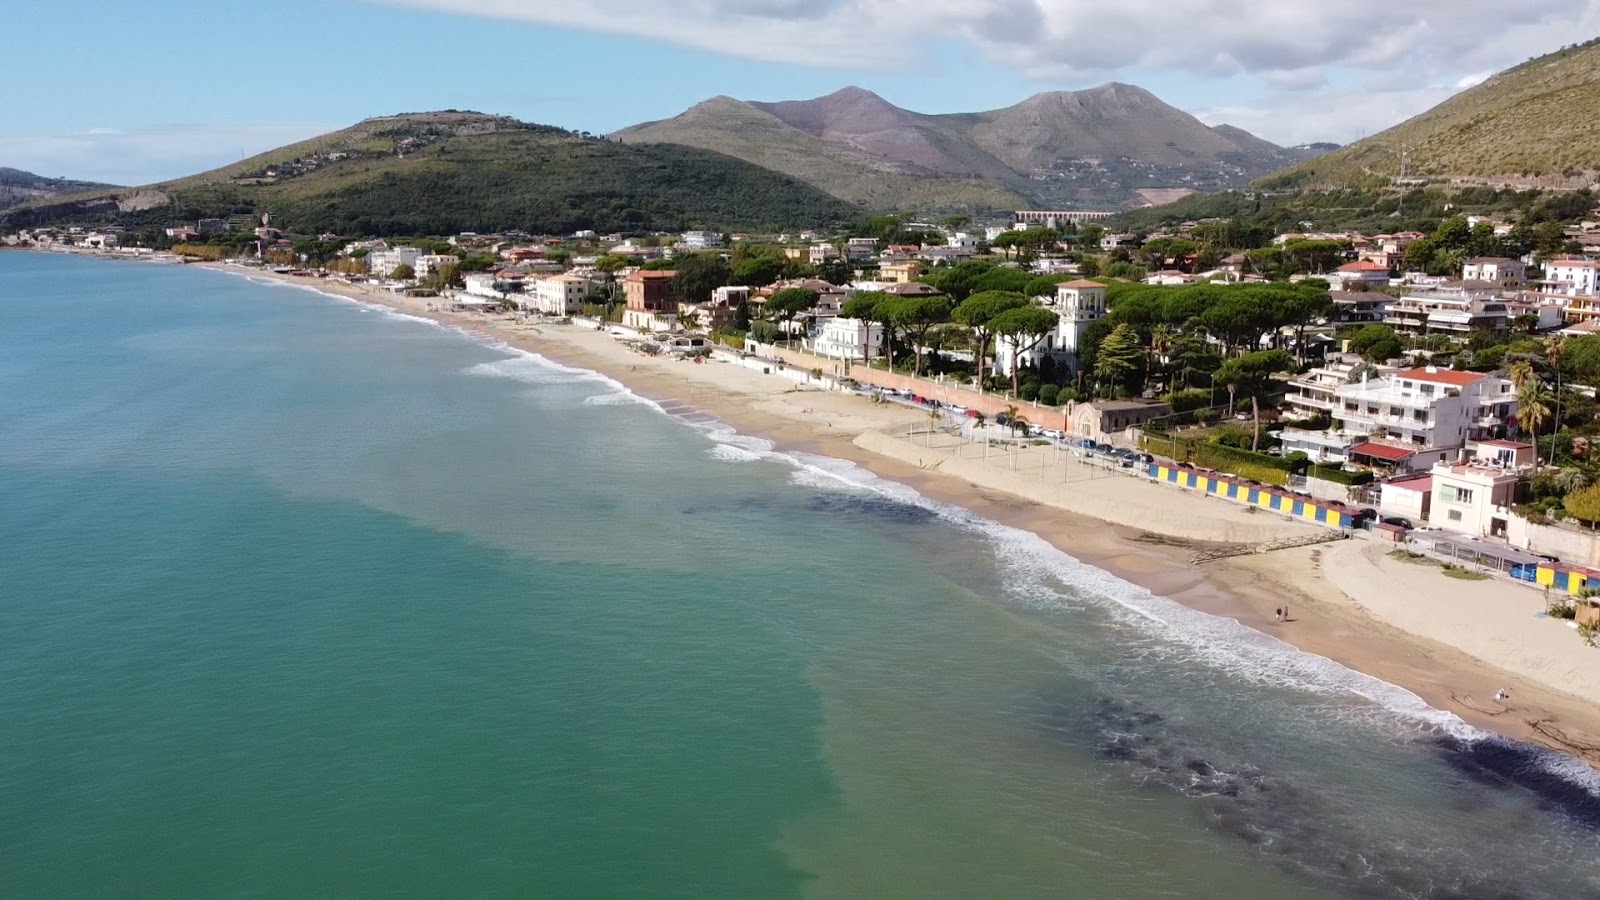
{"type": "Point", "coordinates": [1453, 643]}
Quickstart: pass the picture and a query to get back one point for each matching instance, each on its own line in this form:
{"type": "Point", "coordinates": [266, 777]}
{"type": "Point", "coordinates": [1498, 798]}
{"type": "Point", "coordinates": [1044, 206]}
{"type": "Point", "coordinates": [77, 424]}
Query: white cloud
{"type": "Point", "coordinates": [1286, 46]}
{"type": "Point", "coordinates": [145, 155]}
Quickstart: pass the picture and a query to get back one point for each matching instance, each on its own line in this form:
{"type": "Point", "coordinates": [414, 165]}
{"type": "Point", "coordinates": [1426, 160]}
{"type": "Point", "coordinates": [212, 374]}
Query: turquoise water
{"type": "Point", "coordinates": [298, 596]}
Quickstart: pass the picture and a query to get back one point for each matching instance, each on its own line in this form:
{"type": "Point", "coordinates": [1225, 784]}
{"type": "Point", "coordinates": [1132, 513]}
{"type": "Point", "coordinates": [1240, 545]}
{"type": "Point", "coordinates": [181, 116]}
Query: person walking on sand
{"type": "Point", "coordinates": [1277, 613]}
{"type": "Point", "coordinates": [1286, 613]}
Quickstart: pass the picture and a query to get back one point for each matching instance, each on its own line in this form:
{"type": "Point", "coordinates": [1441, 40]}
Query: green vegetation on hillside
{"type": "Point", "coordinates": [442, 173]}
{"type": "Point", "coordinates": [1536, 121]}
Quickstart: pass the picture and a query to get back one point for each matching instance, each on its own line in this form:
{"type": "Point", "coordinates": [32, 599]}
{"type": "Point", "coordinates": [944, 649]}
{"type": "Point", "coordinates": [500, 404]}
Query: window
{"type": "Point", "coordinates": [1451, 494]}
{"type": "Point", "coordinates": [1427, 390]}
{"type": "Point", "coordinates": [1454, 515]}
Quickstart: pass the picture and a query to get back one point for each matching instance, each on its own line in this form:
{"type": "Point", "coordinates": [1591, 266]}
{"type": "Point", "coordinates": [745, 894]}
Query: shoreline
{"type": "Point", "coordinates": [1100, 523]}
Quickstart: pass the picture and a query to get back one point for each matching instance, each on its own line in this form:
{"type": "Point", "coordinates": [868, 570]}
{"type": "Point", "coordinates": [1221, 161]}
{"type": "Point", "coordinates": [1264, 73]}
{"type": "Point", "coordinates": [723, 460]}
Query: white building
{"type": "Point", "coordinates": [964, 242]}
{"type": "Point", "coordinates": [861, 248]}
{"type": "Point", "coordinates": [431, 264]}
{"type": "Point", "coordinates": [1361, 271]}
{"type": "Point", "coordinates": [382, 263]}
{"type": "Point", "coordinates": [1475, 496]}
{"type": "Point", "coordinates": [700, 240]}
{"type": "Point", "coordinates": [1573, 276]}
{"type": "Point", "coordinates": [821, 253]}
{"type": "Point", "coordinates": [1078, 304]}
{"type": "Point", "coordinates": [559, 295]}
{"type": "Point", "coordinates": [847, 339]}
{"type": "Point", "coordinates": [1495, 269]}
{"type": "Point", "coordinates": [1317, 391]}
{"type": "Point", "coordinates": [1458, 311]}
{"type": "Point", "coordinates": [1410, 419]}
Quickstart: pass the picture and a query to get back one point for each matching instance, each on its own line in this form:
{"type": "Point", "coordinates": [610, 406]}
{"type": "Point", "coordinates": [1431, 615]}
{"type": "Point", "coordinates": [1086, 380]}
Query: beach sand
{"type": "Point", "coordinates": [1453, 643]}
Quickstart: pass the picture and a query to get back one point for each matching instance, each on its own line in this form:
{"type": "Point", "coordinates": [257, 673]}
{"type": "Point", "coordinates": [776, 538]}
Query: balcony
{"type": "Point", "coordinates": [1310, 401]}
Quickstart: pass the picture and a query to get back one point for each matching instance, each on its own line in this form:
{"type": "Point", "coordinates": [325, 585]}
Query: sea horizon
{"type": "Point", "coordinates": [839, 684]}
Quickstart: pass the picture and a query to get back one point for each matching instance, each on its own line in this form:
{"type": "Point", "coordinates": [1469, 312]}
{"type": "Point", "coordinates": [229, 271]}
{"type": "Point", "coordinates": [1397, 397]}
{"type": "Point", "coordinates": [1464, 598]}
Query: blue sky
{"type": "Point", "coordinates": [147, 95]}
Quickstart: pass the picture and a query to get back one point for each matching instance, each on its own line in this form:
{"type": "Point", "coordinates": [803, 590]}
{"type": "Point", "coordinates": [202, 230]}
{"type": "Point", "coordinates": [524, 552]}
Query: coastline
{"type": "Point", "coordinates": [1137, 531]}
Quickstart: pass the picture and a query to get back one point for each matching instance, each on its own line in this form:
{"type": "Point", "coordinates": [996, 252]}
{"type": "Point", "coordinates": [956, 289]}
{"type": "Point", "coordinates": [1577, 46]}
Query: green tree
{"type": "Point", "coordinates": [978, 312]}
{"type": "Point", "coordinates": [698, 275]}
{"type": "Point", "coordinates": [403, 272]}
{"type": "Point", "coordinates": [1025, 327]}
{"type": "Point", "coordinates": [1118, 358]}
{"type": "Point", "coordinates": [1555, 352]}
{"type": "Point", "coordinates": [915, 316]}
{"type": "Point", "coordinates": [758, 271]}
{"type": "Point", "coordinates": [876, 307]}
{"type": "Point", "coordinates": [741, 316]}
{"type": "Point", "coordinates": [1584, 504]}
{"type": "Point", "coordinates": [1533, 407]}
{"type": "Point", "coordinates": [1252, 373]}
{"type": "Point", "coordinates": [788, 303]}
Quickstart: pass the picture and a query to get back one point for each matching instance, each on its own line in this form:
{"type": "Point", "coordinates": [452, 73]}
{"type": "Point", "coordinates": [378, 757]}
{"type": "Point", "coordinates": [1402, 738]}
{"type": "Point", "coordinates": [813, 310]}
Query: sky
{"type": "Point", "coordinates": [115, 91]}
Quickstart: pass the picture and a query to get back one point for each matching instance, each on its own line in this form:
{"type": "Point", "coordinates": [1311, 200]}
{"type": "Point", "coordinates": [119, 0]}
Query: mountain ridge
{"type": "Point", "coordinates": [1097, 146]}
{"type": "Point", "coordinates": [1535, 124]}
{"type": "Point", "coordinates": [451, 170]}
{"type": "Point", "coordinates": [18, 186]}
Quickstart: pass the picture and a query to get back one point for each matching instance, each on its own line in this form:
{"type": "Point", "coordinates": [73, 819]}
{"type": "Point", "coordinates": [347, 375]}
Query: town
{"type": "Point", "coordinates": [1414, 383]}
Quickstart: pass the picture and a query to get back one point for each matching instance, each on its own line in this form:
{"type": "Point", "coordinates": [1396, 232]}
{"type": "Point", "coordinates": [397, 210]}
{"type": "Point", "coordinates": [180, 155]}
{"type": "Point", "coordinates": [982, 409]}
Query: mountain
{"type": "Point", "coordinates": [445, 172]}
{"type": "Point", "coordinates": [1098, 148]}
{"type": "Point", "coordinates": [839, 147]}
{"type": "Point", "coordinates": [1533, 125]}
{"type": "Point", "coordinates": [17, 186]}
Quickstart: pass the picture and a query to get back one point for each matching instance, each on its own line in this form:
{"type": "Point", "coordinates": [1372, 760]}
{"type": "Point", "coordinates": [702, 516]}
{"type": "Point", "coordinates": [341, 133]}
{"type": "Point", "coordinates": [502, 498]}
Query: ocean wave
{"type": "Point", "coordinates": [732, 453]}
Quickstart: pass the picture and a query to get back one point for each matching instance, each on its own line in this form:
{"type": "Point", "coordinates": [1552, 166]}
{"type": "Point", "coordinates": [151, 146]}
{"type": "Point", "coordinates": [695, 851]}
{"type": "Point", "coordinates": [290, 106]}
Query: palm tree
{"type": "Point", "coordinates": [1019, 425]}
{"type": "Point", "coordinates": [1571, 479]}
{"type": "Point", "coordinates": [1555, 349]}
{"type": "Point", "coordinates": [1161, 338]}
{"type": "Point", "coordinates": [1533, 402]}
{"type": "Point", "coordinates": [1520, 373]}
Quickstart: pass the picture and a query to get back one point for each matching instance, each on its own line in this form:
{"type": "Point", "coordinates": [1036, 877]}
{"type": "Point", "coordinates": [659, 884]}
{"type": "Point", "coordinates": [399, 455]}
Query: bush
{"type": "Point", "coordinates": [766, 332]}
{"type": "Point", "coordinates": [1030, 391]}
{"type": "Point", "coordinates": [1338, 475]}
{"type": "Point", "coordinates": [1562, 610]}
{"type": "Point", "coordinates": [729, 339]}
{"type": "Point", "coordinates": [1050, 395]}
{"type": "Point", "coordinates": [1184, 401]}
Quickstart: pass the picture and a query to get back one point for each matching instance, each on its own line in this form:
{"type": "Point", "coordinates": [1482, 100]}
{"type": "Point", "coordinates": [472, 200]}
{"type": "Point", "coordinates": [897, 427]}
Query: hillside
{"type": "Point", "coordinates": [17, 186]}
{"type": "Point", "coordinates": [1095, 148]}
{"type": "Point", "coordinates": [1533, 125]}
{"type": "Point", "coordinates": [852, 166]}
{"type": "Point", "coordinates": [441, 173]}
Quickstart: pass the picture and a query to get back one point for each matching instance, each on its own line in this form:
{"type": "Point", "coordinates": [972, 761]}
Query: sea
{"type": "Point", "coordinates": [303, 597]}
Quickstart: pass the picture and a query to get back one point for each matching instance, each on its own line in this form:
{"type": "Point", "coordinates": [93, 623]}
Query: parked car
{"type": "Point", "coordinates": [1398, 521]}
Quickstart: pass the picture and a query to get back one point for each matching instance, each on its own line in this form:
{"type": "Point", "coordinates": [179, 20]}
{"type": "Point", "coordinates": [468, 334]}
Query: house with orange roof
{"type": "Point", "coordinates": [1363, 272]}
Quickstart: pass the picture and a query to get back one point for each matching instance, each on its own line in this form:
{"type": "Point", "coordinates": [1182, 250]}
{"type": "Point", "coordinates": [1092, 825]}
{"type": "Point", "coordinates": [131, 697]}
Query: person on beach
{"type": "Point", "coordinates": [1278, 613]}
{"type": "Point", "coordinates": [1286, 613]}
{"type": "Point", "coordinates": [1502, 695]}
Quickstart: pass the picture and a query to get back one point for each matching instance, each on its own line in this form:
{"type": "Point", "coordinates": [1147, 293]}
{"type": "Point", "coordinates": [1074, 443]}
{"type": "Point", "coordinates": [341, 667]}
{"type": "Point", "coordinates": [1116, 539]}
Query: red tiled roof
{"type": "Point", "coordinates": [1441, 376]}
{"type": "Point", "coordinates": [1413, 483]}
{"type": "Point", "coordinates": [1363, 266]}
{"type": "Point", "coordinates": [1381, 451]}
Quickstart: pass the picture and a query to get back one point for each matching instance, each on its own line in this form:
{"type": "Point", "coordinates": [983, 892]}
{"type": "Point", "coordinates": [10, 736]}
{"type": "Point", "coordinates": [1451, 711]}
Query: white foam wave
{"type": "Point", "coordinates": [731, 453]}
{"type": "Point", "coordinates": [615, 399]}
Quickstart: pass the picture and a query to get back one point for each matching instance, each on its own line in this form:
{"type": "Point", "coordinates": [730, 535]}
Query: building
{"type": "Point", "coordinates": [182, 233]}
{"type": "Point", "coordinates": [1077, 305]}
{"type": "Point", "coordinates": [901, 272]}
{"type": "Point", "coordinates": [1361, 271]}
{"type": "Point", "coordinates": [1458, 311]}
{"type": "Point", "coordinates": [1317, 391]}
{"type": "Point", "coordinates": [1416, 417]}
{"type": "Point", "coordinates": [1410, 497]}
{"type": "Point", "coordinates": [211, 226]}
{"type": "Point", "coordinates": [651, 305]}
{"type": "Point", "coordinates": [1109, 420]}
{"type": "Point", "coordinates": [559, 295]}
{"type": "Point", "coordinates": [847, 339]}
{"type": "Point", "coordinates": [1360, 306]}
{"type": "Point", "coordinates": [430, 264]}
{"type": "Point", "coordinates": [1508, 273]}
{"type": "Point", "coordinates": [859, 249]}
{"type": "Point", "coordinates": [100, 240]}
{"type": "Point", "coordinates": [382, 263]}
{"type": "Point", "coordinates": [1057, 218]}
{"type": "Point", "coordinates": [1573, 276]}
{"type": "Point", "coordinates": [700, 240]}
{"type": "Point", "coordinates": [821, 253]}
{"type": "Point", "coordinates": [1474, 496]}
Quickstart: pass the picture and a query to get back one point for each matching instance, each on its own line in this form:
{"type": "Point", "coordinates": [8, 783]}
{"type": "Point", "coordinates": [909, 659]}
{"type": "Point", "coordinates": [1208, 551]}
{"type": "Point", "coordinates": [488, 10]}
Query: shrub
{"type": "Point", "coordinates": [1030, 391]}
{"type": "Point", "coordinates": [1338, 475]}
{"type": "Point", "coordinates": [1562, 610]}
{"type": "Point", "coordinates": [1184, 401]}
{"type": "Point", "coordinates": [729, 339]}
{"type": "Point", "coordinates": [766, 332]}
{"type": "Point", "coordinates": [1050, 395]}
